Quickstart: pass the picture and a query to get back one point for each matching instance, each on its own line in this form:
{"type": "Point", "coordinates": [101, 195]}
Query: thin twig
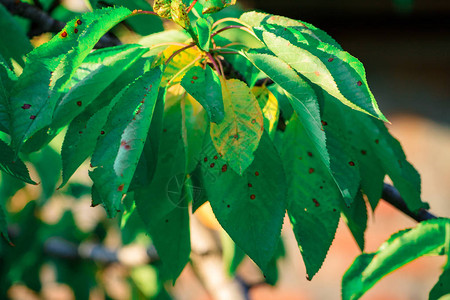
{"type": "Point", "coordinates": [232, 27]}
{"type": "Point", "coordinates": [393, 197]}
{"type": "Point", "coordinates": [213, 61]}
{"type": "Point", "coordinates": [191, 6]}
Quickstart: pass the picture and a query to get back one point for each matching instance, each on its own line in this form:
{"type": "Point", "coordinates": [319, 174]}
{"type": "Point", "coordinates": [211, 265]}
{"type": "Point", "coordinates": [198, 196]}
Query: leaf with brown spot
{"type": "Point", "coordinates": [237, 136]}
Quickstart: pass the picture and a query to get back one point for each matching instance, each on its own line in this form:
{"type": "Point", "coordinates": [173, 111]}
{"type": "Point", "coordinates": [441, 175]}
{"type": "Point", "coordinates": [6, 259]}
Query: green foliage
{"type": "Point", "coordinates": [427, 238]}
{"type": "Point", "coordinates": [177, 121]}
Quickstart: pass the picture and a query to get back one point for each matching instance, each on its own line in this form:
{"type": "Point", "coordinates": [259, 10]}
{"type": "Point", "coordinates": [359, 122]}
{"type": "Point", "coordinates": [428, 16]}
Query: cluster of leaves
{"type": "Point", "coordinates": [169, 127]}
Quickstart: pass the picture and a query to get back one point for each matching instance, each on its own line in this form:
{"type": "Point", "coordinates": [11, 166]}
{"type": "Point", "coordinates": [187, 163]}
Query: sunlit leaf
{"type": "Point", "coordinates": [238, 135]}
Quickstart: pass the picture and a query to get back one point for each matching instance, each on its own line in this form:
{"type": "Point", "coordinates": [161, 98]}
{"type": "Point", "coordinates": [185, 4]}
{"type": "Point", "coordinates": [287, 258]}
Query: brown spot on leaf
{"type": "Point", "coordinates": [102, 132]}
{"type": "Point", "coordinates": [311, 170]}
{"type": "Point", "coordinates": [120, 188]}
{"type": "Point", "coordinates": [79, 103]}
{"type": "Point", "coordinates": [32, 117]}
{"type": "Point", "coordinates": [252, 196]}
{"type": "Point", "coordinates": [26, 106]}
{"type": "Point", "coordinates": [79, 22]}
{"type": "Point", "coordinates": [363, 152]}
{"type": "Point", "coordinates": [212, 165]}
{"type": "Point", "coordinates": [75, 30]}
{"type": "Point", "coordinates": [330, 59]}
{"type": "Point", "coordinates": [256, 173]}
{"type": "Point", "coordinates": [310, 154]}
{"type": "Point", "coordinates": [351, 163]}
{"type": "Point", "coordinates": [316, 203]}
{"type": "Point", "coordinates": [250, 185]}
{"type": "Point", "coordinates": [224, 168]}
{"type": "Point", "coordinates": [64, 34]}
{"type": "Point", "coordinates": [359, 83]}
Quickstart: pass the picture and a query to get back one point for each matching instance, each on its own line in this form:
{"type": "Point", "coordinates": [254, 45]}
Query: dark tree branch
{"type": "Point", "coordinates": [392, 196]}
{"type": "Point", "coordinates": [47, 23]}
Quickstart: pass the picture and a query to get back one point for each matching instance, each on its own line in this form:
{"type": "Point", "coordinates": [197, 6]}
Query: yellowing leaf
{"type": "Point", "coordinates": [269, 107]}
{"type": "Point", "coordinates": [177, 63]}
{"type": "Point", "coordinates": [238, 135]}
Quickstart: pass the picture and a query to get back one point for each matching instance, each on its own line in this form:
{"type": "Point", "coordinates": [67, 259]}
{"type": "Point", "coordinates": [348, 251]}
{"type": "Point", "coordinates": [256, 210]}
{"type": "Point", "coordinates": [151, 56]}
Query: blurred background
{"type": "Point", "coordinates": [67, 250]}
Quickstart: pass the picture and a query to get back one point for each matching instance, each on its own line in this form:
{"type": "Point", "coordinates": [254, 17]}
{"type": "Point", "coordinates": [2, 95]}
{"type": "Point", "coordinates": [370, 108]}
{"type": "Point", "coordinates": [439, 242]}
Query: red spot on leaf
{"type": "Point", "coordinates": [317, 73]}
{"type": "Point", "coordinates": [79, 103]}
{"type": "Point", "coordinates": [64, 34]}
{"type": "Point", "coordinates": [377, 141]}
{"type": "Point", "coordinates": [125, 145]}
{"type": "Point", "coordinates": [310, 154]}
{"type": "Point", "coordinates": [253, 121]}
{"type": "Point", "coordinates": [192, 81]}
{"type": "Point", "coordinates": [311, 170]}
{"type": "Point", "coordinates": [363, 152]}
{"type": "Point", "coordinates": [334, 209]}
{"type": "Point", "coordinates": [80, 132]}
{"type": "Point", "coordinates": [79, 22]}
{"type": "Point", "coordinates": [316, 203]}
{"type": "Point", "coordinates": [224, 168]}
{"type": "Point", "coordinates": [300, 158]}
{"type": "Point", "coordinates": [26, 106]}
{"type": "Point", "coordinates": [32, 117]}
{"type": "Point", "coordinates": [321, 187]}
{"type": "Point", "coordinates": [164, 130]}
{"type": "Point", "coordinates": [102, 132]}
{"type": "Point", "coordinates": [324, 123]}
{"type": "Point", "coordinates": [194, 77]}
{"type": "Point", "coordinates": [250, 185]}
{"type": "Point", "coordinates": [256, 173]}
{"type": "Point", "coordinates": [330, 59]}
{"type": "Point", "coordinates": [75, 30]}
{"type": "Point", "coordinates": [351, 163]}
{"type": "Point", "coordinates": [120, 188]}
{"type": "Point", "coordinates": [228, 205]}
{"type": "Point", "coordinates": [359, 83]}
{"type": "Point", "coordinates": [90, 165]}
{"type": "Point", "coordinates": [205, 159]}
{"type": "Point", "coordinates": [252, 197]}
{"type": "Point", "coordinates": [212, 165]}
{"type": "Point", "coordinates": [215, 157]}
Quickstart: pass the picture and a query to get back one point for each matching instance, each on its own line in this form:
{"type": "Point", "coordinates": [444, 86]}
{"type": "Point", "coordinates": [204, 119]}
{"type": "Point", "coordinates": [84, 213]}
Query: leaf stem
{"type": "Point", "coordinates": [191, 6]}
{"type": "Point", "coordinates": [231, 27]}
{"type": "Point", "coordinates": [230, 20]}
{"type": "Point", "coordinates": [179, 51]}
{"type": "Point", "coordinates": [168, 44]}
{"type": "Point", "coordinates": [214, 63]}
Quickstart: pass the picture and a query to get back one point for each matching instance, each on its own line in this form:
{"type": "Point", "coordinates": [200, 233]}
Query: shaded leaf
{"type": "Point", "coordinates": [162, 203]}
{"type": "Point", "coordinates": [442, 288]}
{"type": "Point", "coordinates": [313, 199]}
{"type": "Point", "coordinates": [7, 78]}
{"type": "Point", "coordinates": [13, 165]}
{"type": "Point", "coordinates": [81, 136]}
{"type": "Point", "coordinates": [356, 218]}
{"type": "Point", "coordinates": [118, 151]}
{"type": "Point", "coordinates": [238, 135]}
{"type": "Point", "coordinates": [250, 207]}
{"type": "Point", "coordinates": [14, 43]}
{"type": "Point", "coordinates": [427, 238]}
{"type": "Point", "coordinates": [203, 30]}
{"type": "Point", "coordinates": [269, 107]}
{"type": "Point", "coordinates": [204, 86]}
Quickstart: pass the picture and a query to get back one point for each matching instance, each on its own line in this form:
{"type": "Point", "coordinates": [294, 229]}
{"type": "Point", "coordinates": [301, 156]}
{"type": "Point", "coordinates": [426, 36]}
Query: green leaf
{"type": "Point", "coordinates": [314, 200]}
{"type": "Point", "coordinates": [13, 165]}
{"type": "Point", "coordinates": [49, 68]}
{"type": "Point", "coordinates": [81, 137]}
{"type": "Point", "coordinates": [7, 78]}
{"type": "Point", "coordinates": [203, 30]}
{"type": "Point", "coordinates": [212, 6]}
{"type": "Point", "coordinates": [442, 288]}
{"type": "Point", "coordinates": [14, 43]}
{"type": "Point", "coordinates": [119, 149]}
{"type": "Point", "coordinates": [250, 207]}
{"type": "Point", "coordinates": [356, 218]}
{"type": "Point", "coordinates": [238, 135]}
{"type": "Point", "coordinates": [335, 71]}
{"type": "Point", "coordinates": [106, 65]}
{"type": "Point", "coordinates": [204, 86]}
{"type": "Point", "coordinates": [4, 223]}
{"type": "Point", "coordinates": [195, 126]}
{"type": "Point", "coordinates": [48, 173]}
{"type": "Point", "coordinates": [256, 19]}
{"type": "Point", "coordinates": [167, 36]}
{"type": "Point", "coordinates": [427, 238]}
{"type": "Point", "coordinates": [162, 203]}
{"type": "Point", "coordinates": [302, 97]}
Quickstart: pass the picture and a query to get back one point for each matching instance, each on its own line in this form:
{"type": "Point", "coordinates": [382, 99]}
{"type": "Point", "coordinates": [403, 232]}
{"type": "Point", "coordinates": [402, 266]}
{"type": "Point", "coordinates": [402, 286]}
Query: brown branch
{"type": "Point", "coordinates": [392, 196]}
{"type": "Point", "coordinates": [47, 23]}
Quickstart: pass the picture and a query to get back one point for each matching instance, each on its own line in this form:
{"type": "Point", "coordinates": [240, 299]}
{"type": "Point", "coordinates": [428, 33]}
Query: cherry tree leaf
{"type": "Point", "coordinates": [238, 135]}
